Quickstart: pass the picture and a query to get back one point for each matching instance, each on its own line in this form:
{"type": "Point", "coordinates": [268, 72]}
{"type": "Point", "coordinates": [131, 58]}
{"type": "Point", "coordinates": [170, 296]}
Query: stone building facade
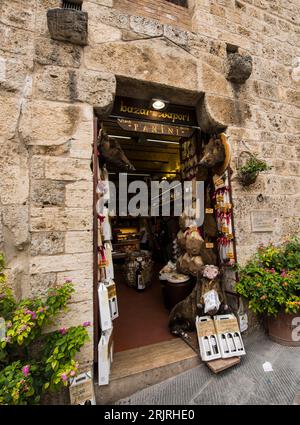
{"type": "Point", "coordinates": [50, 90]}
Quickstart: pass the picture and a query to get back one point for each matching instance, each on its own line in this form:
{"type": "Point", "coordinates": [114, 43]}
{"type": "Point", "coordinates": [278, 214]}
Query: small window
{"type": "Point", "coordinates": [72, 4]}
{"type": "Point", "coordinates": [182, 3]}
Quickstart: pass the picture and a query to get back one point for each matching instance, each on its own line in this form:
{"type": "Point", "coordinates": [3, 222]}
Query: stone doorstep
{"type": "Point", "coordinates": [136, 369]}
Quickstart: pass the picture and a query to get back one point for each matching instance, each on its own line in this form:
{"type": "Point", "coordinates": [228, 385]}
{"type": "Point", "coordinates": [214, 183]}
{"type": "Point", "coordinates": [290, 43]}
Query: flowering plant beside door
{"type": "Point", "coordinates": [271, 279]}
{"type": "Point", "coordinates": [32, 363]}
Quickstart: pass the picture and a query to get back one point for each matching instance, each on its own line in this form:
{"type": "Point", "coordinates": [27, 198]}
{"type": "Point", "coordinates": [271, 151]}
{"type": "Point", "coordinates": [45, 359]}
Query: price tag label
{"type": "Point", "coordinates": [209, 245]}
{"type": "Point", "coordinates": [218, 181]}
{"type": "Point", "coordinates": [209, 210]}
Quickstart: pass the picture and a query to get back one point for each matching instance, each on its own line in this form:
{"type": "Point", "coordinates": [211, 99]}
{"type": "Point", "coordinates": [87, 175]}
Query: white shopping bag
{"type": "Point", "coordinates": [242, 317]}
{"type": "Point", "coordinates": [104, 311]}
{"type": "Point", "coordinates": [105, 357]}
{"type": "Point", "coordinates": [211, 301]}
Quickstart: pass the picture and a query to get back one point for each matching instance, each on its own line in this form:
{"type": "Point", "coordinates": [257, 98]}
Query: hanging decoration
{"type": "Point", "coordinates": [223, 211]}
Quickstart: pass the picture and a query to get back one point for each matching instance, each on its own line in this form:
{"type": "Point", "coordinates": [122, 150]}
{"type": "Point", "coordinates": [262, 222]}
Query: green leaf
{"type": "Point", "coordinates": [54, 364]}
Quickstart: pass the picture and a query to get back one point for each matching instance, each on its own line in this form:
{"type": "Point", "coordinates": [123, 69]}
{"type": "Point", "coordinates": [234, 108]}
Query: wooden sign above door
{"type": "Point", "coordinates": [141, 110]}
{"type": "Point", "coordinates": [155, 128]}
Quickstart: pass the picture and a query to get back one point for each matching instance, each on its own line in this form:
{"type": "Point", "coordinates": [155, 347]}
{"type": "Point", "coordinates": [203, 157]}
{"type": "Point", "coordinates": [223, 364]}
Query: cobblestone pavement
{"type": "Point", "coordinates": [246, 383]}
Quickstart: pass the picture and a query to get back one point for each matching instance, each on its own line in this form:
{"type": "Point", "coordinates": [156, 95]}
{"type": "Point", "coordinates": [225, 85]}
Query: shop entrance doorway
{"type": "Point", "coordinates": [143, 315]}
{"type": "Point", "coordinates": [146, 145]}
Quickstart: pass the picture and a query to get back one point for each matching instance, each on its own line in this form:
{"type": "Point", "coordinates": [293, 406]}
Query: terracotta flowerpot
{"type": "Point", "coordinates": [282, 329]}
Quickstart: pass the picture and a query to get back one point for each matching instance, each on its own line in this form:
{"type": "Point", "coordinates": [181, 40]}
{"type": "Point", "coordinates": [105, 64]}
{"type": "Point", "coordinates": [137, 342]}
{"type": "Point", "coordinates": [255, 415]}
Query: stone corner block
{"type": "Point", "coordinates": [238, 68]}
{"type": "Point", "coordinates": [68, 25]}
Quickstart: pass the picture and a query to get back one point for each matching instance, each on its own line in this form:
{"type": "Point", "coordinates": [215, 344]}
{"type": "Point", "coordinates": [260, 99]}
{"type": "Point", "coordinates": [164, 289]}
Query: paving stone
{"type": "Point", "coordinates": [246, 383]}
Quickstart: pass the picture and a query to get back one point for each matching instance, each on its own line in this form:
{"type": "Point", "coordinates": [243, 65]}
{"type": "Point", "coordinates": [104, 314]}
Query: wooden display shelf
{"type": "Point", "coordinates": [128, 242]}
{"type": "Point", "coordinates": [119, 255]}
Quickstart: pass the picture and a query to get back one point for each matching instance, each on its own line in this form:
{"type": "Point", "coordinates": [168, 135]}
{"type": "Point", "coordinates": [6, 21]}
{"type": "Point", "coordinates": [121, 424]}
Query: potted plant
{"type": "Point", "coordinates": [271, 282]}
{"type": "Point", "coordinates": [247, 174]}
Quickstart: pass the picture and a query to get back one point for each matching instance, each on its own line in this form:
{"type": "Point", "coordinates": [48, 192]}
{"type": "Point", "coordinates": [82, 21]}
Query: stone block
{"type": "Point", "coordinates": [82, 281]}
{"type": "Point", "coordinates": [107, 3]}
{"type": "Point", "coordinates": [79, 242]}
{"type": "Point", "coordinates": [61, 263]}
{"type": "Point", "coordinates": [76, 314]}
{"type": "Point", "coordinates": [37, 170]}
{"type": "Point", "coordinates": [101, 33]}
{"type": "Point", "coordinates": [47, 192]}
{"type": "Point", "coordinates": [68, 25]}
{"type": "Point", "coordinates": [48, 123]}
{"type": "Point", "coordinates": [16, 41]}
{"type": "Point", "coordinates": [40, 283]}
{"type": "Point", "coordinates": [47, 243]}
{"type": "Point", "coordinates": [62, 168]}
{"type": "Point", "coordinates": [147, 26]}
{"type": "Point", "coordinates": [52, 52]}
{"type": "Point", "coordinates": [91, 87]}
{"type": "Point", "coordinates": [15, 186]}
{"type": "Point", "coordinates": [13, 73]}
{"type": "Point", "coordinates": [42, 6]}
{"type": "Point", "coordinates": [238, 67]}
{"type": "Point", "coordinates": [15, 221]}
{"type": "Point", "coordinates": [55, 83]}
{"type": "Point", "coordinates": [176, 35]}
{"type": "Point", "coordinates": [150, 62]}
{"type": "Point", "coordinates": [111, 17]}
{"type": "Point", "coordinates": [214, 82]}
{"type": "Point", "coordinates": [18, 14]}
{"type": "Point", "coordinates": [216, 113]}
{"type": "Point", "coordinates": [79, 194]}
{"type": "Point", "coordinates": [97, 89]}
{"type": "Point", "coordinates": [81, 144]}
{"type": "Point", "coordinates": [60, 219]}
{"type": "Point", "coordinates": [85, 356]}
{"type": "Point", "coordinates": [10, 111]}
{"type": "Point", "coordinates": [14, 173]}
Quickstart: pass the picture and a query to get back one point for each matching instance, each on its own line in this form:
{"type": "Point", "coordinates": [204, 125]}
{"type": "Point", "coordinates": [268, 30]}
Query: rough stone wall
{"type": "Point", "coordinates": [48, 90]}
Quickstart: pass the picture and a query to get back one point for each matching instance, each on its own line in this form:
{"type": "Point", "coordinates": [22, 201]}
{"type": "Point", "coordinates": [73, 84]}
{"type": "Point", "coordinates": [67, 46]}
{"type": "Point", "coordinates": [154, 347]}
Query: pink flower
{"type": "Point", "coordinates": [33, 315]}
{"type": "Point", "coordinates": [86, 324]}
{"type": "Point", "coordinates": [7, 339]}
{"type": "Point", "coordinates": [23, 328]}
{"type": "Point", "coordinates": [41, 310]}
{"type": "Point", "coordinates": [272, 270]}
{"type": "Point", "coordinates": [283, 273]}
{"type": "Point", "coordinates": [64, 377]}
{"type": "Point", "coordinates": [63, 331]}
{"type": "Point", "coordinates": [8, 324]}
{"type": "Point", "coordinates": [72, 373]}
{"type": "Point", "coordinates": [25, 370]}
